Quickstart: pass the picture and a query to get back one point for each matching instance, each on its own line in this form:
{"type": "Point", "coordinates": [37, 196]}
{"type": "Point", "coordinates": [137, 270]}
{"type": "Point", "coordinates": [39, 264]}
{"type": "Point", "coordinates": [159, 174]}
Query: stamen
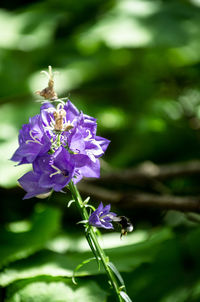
{"type": "Point", "coordinates": [31, 135]}
{"type": "Point", "coordinates": [60, 106]}
{"type": "Point", "coordinates": [34, 138]}
{"type": "Point", "coordinates": [89, 135]}
{"type": "Point", "coordinates": [60, 101]}
{"type": "Point", "coordinates": [58, 171]}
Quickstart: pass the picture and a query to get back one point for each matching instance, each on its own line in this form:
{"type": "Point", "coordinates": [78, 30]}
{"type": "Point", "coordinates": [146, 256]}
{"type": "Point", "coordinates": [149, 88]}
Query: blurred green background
{"type": "Point", "coordinates": [135, 66]}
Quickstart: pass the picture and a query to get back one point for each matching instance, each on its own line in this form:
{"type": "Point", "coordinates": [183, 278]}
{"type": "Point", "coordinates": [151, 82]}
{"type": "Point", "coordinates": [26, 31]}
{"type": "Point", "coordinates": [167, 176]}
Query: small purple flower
{"type": "Point", "coordinates": [50, 172]}
{"type": "Point", "coordinates": [102, 217]}
{"type": "Point", "coordinates": [32, 142]}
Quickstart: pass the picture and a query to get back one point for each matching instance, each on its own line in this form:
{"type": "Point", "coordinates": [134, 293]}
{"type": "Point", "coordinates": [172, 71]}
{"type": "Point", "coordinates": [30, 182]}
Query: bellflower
{"type": "Point", "coordinates": [30, 183]}
{"type": "Point", "coordinates": [33, 141]}
{"type": "Point", "coordinates": [102, 217]}
{"type": "Point", "coordinates": [78, 134]}
{"type": "Point", "coordinates": [50, 172]}
{"type": "Point", "coordinates": [62, 145]}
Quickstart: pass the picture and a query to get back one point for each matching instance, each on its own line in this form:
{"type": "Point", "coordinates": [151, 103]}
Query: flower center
{"type": "Point", "coordinates": [58, 171]}
{"type": "Point", "coordinates": [59, 122]}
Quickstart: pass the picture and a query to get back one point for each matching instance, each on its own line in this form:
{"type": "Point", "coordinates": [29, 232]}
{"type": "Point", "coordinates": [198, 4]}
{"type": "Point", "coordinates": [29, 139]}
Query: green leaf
{"type": "Point", "coordinates": [46, 263]}
{"type": "Point", "coordinates": [70, 202]}
{"type": "Point", "coordinates": [57, 291]}
{"type": "Point", "coordinates": [17, 245]}
{"type": "Point", "coordinates": [50, 263]}
{"type": "Point", "coordinates": [125, 297]}
{"type": "Point", "coordinates": [79, 266]}
{"type": "Point", "coordinates": [116, 272]}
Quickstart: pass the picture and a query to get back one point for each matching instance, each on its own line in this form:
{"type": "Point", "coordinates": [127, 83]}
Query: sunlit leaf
{"type": "Point", "coordinates": [55, 291]}
{"type": "Point", "coordinates": [126, 258]}
{"type": "Point", "coordinates": [17, 245]}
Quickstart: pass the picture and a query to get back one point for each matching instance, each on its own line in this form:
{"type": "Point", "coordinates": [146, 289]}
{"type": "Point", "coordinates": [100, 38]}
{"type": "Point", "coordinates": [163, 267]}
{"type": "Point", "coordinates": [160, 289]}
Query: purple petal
{"type": "Point", "coordinates": [64, 160]}
{"type": "Point", "coordinates": [103, 142]}
{"type": "Point", "coordinates": [106, 218]}
{"type": "Point", "coordinates": [30, 183]}
{"type": "Point", "coordinates": [71, 110]}
{"type": "Point", "coordinates": [77, 176]}
{"type": "Point", "coordinates": [32, 141]}
{"type": "Point", "coordinates": [107, 225]}
{"type": "Point", "coordinates": [98, 210]}
{"type": "Point", "coordinates": [112, 214]}
{"type": "Point", "coordinates": [91, 169]}
{"type": "Point", "coordinates": [100, 207]}
{"type": "Point", "coordinates": [42, 164]}
{"type": "Point", "coordinates": [46, 105]}
{"type": "Point", "coordinates": [94, 220]}
{"type": "Point", "coordinates": [76, 142]}
{"type": "Point", "coordinates": [106, 210]}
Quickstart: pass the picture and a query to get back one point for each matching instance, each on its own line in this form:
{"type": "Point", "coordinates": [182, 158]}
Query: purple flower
{"type": "Point", "coordinates": [85, 167]}
{"type": "Point", "coordinates": [62, 145]}
{"type": "Point", "coordinates": [102, 217]}
{"type": "Point", "coordinates": [50, 172]}
{"type": "Point", "coordinates": [30, 183]}
{"type": "Point", "coordinates": [78, 134]}
{"type": "Point", "coordinates": [32, 142]}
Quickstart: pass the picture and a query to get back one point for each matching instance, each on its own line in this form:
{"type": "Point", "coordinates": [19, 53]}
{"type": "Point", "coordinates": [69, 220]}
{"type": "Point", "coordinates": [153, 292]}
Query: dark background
{"type": "Point", "coordinates": [135, 66]}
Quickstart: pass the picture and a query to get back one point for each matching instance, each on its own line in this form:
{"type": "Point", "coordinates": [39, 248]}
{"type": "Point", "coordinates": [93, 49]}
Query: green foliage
{"type": "Point", "coordinates": [166, 257]}
{"type": "Point", "coordinates": [54, 291]}
{"type": "Point", "coordinates": [132, 64]}
{"type": "Point", "coordinates": [135, 66]}
{"type": "Point", "coordinates": [22, 243]}
{"type": "Point", "coordinates": [52, 263]}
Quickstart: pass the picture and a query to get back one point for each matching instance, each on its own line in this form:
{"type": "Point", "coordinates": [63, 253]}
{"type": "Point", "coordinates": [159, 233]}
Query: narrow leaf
{"type": "Point", "coordinates": [90, 206]}
{"type": "Point", "coordinates": [82, 221]}
{"type": "Point", "coordinates": [116, 272]}
{"type": "Point", "coordinates": [70, 202]}
{"type": "Point", "coordinates": [93, 249]}
{"type": "Point", "coordinates": [86, 200]}
{"type": "Point", "coordinates": [125, 296]}
{"type": "Point", "coordinates": [79, 266]}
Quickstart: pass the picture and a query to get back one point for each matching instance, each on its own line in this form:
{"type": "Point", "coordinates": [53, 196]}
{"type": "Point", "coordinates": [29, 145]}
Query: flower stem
{"type": "Point", "coordinates": [93, 241]}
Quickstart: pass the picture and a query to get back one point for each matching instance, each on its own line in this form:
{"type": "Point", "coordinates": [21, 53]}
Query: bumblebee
{"type": "Point", "coordinates": [126, 225]}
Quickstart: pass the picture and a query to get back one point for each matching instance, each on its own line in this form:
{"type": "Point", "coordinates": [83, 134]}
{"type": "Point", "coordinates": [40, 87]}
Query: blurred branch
{"type": "Point", "coordinates": [150, 171]}
{"type": "Point", "coordinates": [141, 200]}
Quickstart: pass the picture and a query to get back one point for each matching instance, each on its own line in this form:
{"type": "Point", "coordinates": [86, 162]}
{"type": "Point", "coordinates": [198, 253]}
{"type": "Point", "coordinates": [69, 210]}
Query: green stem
{"type": "Point", "coordinates": [91, 236]}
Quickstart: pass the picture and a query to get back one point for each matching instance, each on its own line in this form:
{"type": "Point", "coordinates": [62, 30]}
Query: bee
{"type": "Point", "coordinates": [126, 225]}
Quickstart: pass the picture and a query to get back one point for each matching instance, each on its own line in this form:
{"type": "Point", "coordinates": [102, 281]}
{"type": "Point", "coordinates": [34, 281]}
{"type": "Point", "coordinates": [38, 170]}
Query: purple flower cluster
{"type": "Point", "coordinates": [62, 145]}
